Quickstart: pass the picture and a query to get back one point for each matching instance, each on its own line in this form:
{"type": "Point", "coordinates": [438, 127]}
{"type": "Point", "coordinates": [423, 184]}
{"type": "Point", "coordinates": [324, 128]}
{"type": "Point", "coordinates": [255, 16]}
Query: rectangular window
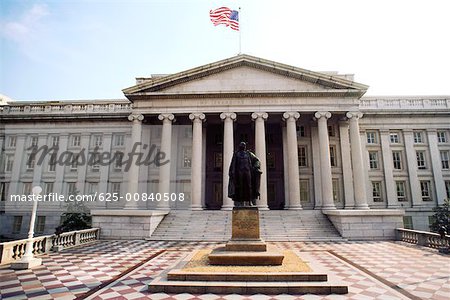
{"type": "Point", "coordinates": [447, 188]}
{"type": "Point", "coordinates": [301, 131]}
{"type": "Point", "coordinates": [336, 189]}
{"type": "Point", "coordinates": [188, 132]}
{"type": "Point", "coordinates": [372, 137]}
{"type": "Point", "coordinates": [442, 136]}
{"type": "Point", "coordinates": [92, 188]}
{"type": "Point", "coordinates": [4, 186]}
{"type": "Point", "coordinates": [26, 190]}
{"type": "Point", "coordinates": [445, 160]}
{"type": "Point", "coordinates": [55, 141]}
{"type": "Point", "coordinates": [74, 164]}
{"type": "Point", "coordinates": [304, 191]}
{"type": "Point", "coordinates": [218, 161]}
{"type": "Point", "coordinates": [40, 224]}
{"type": "Point", "coordinates": [119, 140]}
{"type": "Point", "coordinates": [95, 167]}
{"type": "Point", "coordinates": [401, 193]}
{"type": "Point", "coordinates": [407, 222]}
{"type": "Point", "coordinates": [115, 188]}
{"type": "Point", "coordinates": [331, 130]}
{"type": "Point", "coordinates": [76, 140]}
{"type": "Point", "coordinates": [117, 165]}
{"type": "Point", "coordinates": [12, 141]}
{"type": "Point", "coordinates": [187, 157]}
{"type": "Point", "coordinates": [31, 159]}
{"type": "Point", "coordinates": [425, 188]}
{"type": "Point", "coordinates": [420, 157]}
{"type": "Point", "coordinates": [418, 137]}
{"type": "Point", "coordinates": [302, 158]}
{"type": "Point", "coordinates": [397, 159]}
{"type": "Point", "coordinates": [394, 137]}
{"type": "Point", "coordinates": [373, 160]}
{"type": "Point", "coordinates": [376, 191]}
{"type": "Point", "coordinates": [71, 188]}
{"type": "Point", "coordinates": [34, 141]}
{"type": "Point", "coordinates": [97, 140]}
{"type": "Point", "coordinates": [333, 156]}
{"type": "Point", "coordinates": [9, 163]}
{"type": "Point", "coordinates": [48, 187]}
{"type": "Point", "coordinates": [17, 224]}
{"type": "Point", "coordinates": [52, 163]}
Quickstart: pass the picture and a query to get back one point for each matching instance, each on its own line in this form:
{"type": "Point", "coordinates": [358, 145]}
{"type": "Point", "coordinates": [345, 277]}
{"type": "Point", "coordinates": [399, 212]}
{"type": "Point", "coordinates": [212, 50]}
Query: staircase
{"type": "Point", "coordinates": [275, 225]}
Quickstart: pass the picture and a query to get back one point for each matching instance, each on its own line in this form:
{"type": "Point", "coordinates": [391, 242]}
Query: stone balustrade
{"type": "Point", "coordinates": [422, 238]}
{"type": "Point", "coordinates": [18, 108]}
{"type": "Point", "coordinates": [425, 103]}
{"type": "Point", "coordinates": [12, 251]}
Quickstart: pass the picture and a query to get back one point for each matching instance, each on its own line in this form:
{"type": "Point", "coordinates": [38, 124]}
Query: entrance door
{"type": "Point", "coordinates": [275, 166]}
{"type": "Point", "coordinates": [214, 162]}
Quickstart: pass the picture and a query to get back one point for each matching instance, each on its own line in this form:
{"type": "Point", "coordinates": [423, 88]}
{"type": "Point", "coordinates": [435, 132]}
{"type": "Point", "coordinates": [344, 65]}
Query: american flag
{"type": "Point", "coordinates": [226, 16]}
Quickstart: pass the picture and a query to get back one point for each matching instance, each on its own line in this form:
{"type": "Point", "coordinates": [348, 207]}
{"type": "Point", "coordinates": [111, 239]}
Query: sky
{"type": "Point", "coordinates": [92, 49]}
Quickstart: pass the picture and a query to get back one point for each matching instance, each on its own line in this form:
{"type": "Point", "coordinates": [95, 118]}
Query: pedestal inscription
{"type": "Point", "coordinates": [245, 222]}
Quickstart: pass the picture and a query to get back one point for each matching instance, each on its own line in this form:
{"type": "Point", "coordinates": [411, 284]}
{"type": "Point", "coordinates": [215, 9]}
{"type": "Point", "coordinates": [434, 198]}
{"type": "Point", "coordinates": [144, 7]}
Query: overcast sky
{"type": "Point", "coordinates": [79, 49]}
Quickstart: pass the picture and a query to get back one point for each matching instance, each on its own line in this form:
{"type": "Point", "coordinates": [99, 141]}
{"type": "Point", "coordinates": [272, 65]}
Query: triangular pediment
{"type": "Point", "coordinates": [244, 74]}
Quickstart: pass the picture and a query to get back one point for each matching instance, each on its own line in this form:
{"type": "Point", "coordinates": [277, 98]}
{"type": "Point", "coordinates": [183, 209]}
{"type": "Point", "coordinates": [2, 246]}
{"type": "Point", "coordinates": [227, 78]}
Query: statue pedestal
{"type": "Point", "coordinates": [246, 246]}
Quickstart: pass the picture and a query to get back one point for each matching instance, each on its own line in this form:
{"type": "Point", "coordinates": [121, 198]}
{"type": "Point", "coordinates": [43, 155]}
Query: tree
{"type": "Point", "coordinates": [76, 217]}
{"type": "Point", "coordinates": [441, 217]}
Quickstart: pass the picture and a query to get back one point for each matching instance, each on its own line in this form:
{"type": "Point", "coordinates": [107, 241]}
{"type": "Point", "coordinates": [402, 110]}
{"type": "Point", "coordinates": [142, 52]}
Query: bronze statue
{"type": "Point", "coordinates": [245, 176]}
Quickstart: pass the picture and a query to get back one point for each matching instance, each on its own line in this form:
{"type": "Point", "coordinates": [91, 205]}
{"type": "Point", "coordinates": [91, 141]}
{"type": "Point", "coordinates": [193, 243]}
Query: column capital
{"type": "Point", "coordinates": [135, 117]}
{"type": "Point", "coordinates": [166, 116]}
{"type": "Point", "coordinates": [322, 114]}
{"type": "Point", "coordinates": [259, 115]}
{"type": "Point", "coordinates": [293, 115]}
{"type": "Point", "coordinates": [228, 115]}
{"type": "Point", "coordinates": [197, 117]}
{"type": "Point", "coordinates": [355, 115]}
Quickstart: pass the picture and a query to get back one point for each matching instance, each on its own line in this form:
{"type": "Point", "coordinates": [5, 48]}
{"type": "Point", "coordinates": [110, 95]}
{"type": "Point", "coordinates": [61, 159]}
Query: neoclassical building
{"type": "Point", "coordinates": [322, 144]}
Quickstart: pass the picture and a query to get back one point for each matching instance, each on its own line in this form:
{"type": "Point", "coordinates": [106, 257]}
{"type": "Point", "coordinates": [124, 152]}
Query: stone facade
{"type": "Point", "coordinates": [327, 146]}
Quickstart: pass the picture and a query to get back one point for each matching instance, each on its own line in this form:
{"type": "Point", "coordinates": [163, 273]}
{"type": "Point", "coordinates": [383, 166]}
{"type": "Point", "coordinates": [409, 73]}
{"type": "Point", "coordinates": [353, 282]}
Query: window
{"type": "Point", "coordinates": [97, 140]}
{"type": "Point", "coordinates": [74, 164]}
{"type": "Point", "coordinates": [26, 190]}
{"type": "Point", "coordinates": [40, 224]}
{"type": "Point", "coordinates": [55, 141]}
{"type": "Point", "coordinates": [301, 131]}
{"type": "Point", "coordinates": [218, 161]}
{"type": "Point", "coordinates": [270, 160]}
{"type": "Point", "coordinates": [442, 137]}
{"type": "Point", "coordinates": [115, 188]}
{"type": "Point", "coordinates": [76, 140]}
{"type": "Point", "coordinates": [407, 222]}
{"type": "Point", "coordinates": [397, 159]}
{"type": "Point", "coordinates": [376, 191]}
{"type": "Point", "coordinates": [445, 160]}
{"type": "Point", "coordinates": [425, 188]}
{"type": "Point", "coordinates": [34, 141]}
{"type": "Point", "coordinates": [4, 187]}
{"type": "Point", "coordinates": [71, 188]}
{"type": "Point", "coordinates": [95, 161]}
{"type": "Point", "coordinates": [12, 141]}
{"type": "Point", "coordinates": [30, 161]}
{"type": "Point", "coordinates": [373, 160]}
{"type": "Point", "coordinates": [17, 224]}
{"type": "Point", "coordinates": [394, 137]}
{"type": "Point", "coordinates": [302, 158]}
{"type": "Point", "coordinates": [420, 157]}
{"type": "Point", "coordinates": [119, 140]}
{"type": "Point", "coordinates": [331, 131]}
{"type": "Point", "coordinates": [9, 163]}
{"type": "Point", "coordinates": [92, 188]}
{"type": "Point", "coordinates": [52, 163]}
{"type": "Point", "coordinates": [401, 193]}
{"type": "Point", "coordinates": [48, 188]}
{"type": "Point", "coordinates": [118, 164]}
{"type": "Point", "coordinates": [336, 197]}
{"type": "Point", "coordinates": [333, 156]}
{"type": "Point", "coordinates": [372, 137]}
{"type": "Point", "coordinates": [187, 157]}
{"type": "Point", "coordinates": [188, 132]}
{"type": "Point", "coordinates": [447, 188]}
{"type": "Point", "coordinates": [418, 137]}
{"type": "Point", "coordinates": [304, 191]}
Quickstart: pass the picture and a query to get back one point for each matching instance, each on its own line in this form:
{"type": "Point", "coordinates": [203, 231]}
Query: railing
{"type": "Point", "coordinates": [78, 108]}
{"type": "Point", "coordinates": [413, 103]}
{"type": "Point", "coordinates": [422, 238]}
{"type": "Point", "coordinates": [12, 251]}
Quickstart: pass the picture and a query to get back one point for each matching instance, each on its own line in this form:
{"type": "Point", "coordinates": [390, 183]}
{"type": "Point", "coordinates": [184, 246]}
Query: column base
{"type": "Point", "coordinates": [262, 207]}
{"type": "Point", "coordinates": [363, 206]}
{"type": "Point", "coordinates": [27, 263]}
{"type": "Point", "coordinates": [196, 207]}
{"type": "Point", "coordinates": [227, 207]}
{"type": "Point", "coordinates": [328, 207]}
{"type": "Point", "coordinates": [295, 207]}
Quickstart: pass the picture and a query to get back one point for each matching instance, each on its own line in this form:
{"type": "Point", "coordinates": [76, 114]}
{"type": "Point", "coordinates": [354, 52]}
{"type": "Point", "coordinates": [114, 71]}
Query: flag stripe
{"type": "Point", "coordinates": [225, 16]}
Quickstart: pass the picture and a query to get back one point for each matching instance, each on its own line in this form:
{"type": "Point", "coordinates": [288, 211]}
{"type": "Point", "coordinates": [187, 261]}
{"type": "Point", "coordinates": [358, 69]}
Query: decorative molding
{"type": "Point", "coordinates": [197, 117]}
{"type": "Point", "coordinates": [136, 117]}
{"type": "Point", "coordinates": [356, 115]}
{"type": "Point", "coordinates": [322, 114]}
{"type": "Point", "coordinates": [166, 116]}
{"type": "Point", "coordinates": [291, 115]}
{"type": "Point", "coordinates": [228, 115]}
{"type": "Point", "coordinates": [257, 115]}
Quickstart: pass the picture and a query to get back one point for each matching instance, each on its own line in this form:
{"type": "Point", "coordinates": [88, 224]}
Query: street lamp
{"type": "Point", "coordinates": [28, 260]}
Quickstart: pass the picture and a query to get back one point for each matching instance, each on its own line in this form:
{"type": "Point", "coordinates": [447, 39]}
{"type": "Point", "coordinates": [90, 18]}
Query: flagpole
{"type": "Point", "coordinates": [240, 30]}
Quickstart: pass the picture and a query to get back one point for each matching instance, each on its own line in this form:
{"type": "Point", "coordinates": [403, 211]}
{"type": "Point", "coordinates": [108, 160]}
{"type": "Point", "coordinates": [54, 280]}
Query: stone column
{"type": "Point", "coordinates": [388, 165]}
{"type": "Point", "coordinates": [325, 164]}
{"type": "Point", "coordinates": [357, 161]}
{"type": "Point", "coordinates": [436, 166]}
{"type": "Point", "coordinates": [416, 193]}
{"type": "Point", "coordinates": [316, 167]}
{"type": "Point", "coordinates": [196, 161]}
{"type": "Point", "coordinates": [37, 172]}
{"type": "Point", "coordinates": [164, 170]}
{"type": "Point", "coordinates": [228, 145]}
{"type": "Point", "coordinates": [133, 172]}
{"type": "Point", "coordinates": [292, 152]}
{"type": "Point", "coordinates": [58, 185]}
{"type": "Point", "coordinates": [346, 167]}
{"type": "Point", "coordinates": [260, 149]}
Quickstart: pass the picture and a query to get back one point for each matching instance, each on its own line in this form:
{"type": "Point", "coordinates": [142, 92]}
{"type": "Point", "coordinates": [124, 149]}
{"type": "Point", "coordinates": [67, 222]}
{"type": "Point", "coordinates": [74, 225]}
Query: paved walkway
{"type": "Point", "coordinates": [121, 270]}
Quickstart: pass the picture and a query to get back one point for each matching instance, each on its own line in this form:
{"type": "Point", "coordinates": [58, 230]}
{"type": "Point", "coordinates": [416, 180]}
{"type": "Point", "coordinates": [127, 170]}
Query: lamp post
{"type": "Point", "coordinates": [28, 260]}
